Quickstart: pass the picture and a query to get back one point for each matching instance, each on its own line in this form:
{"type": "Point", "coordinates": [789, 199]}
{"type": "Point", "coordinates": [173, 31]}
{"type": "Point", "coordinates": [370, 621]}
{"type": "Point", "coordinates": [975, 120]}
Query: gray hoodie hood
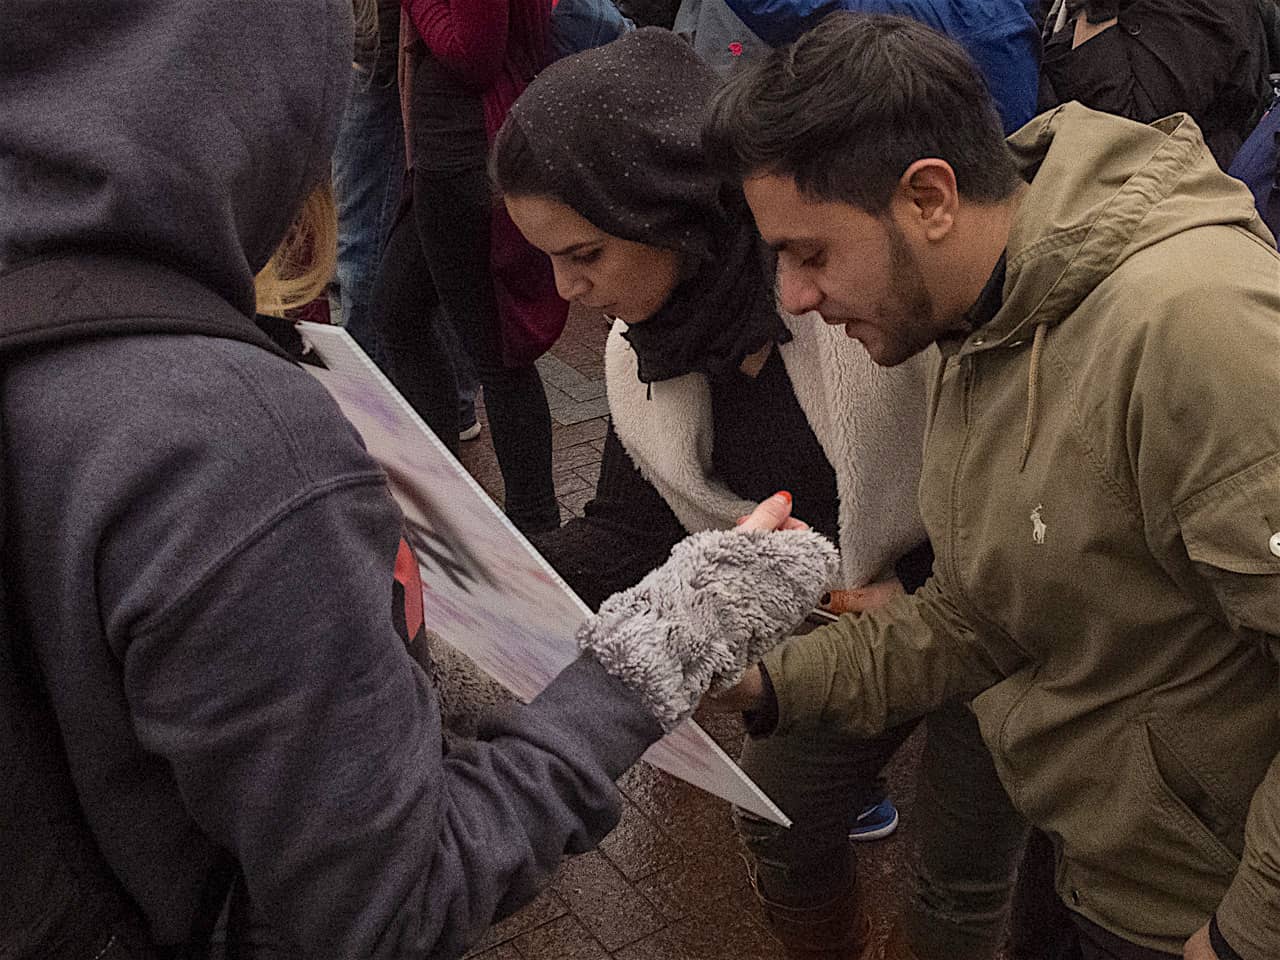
{"type": "Point", "coordinates": [185, 134]}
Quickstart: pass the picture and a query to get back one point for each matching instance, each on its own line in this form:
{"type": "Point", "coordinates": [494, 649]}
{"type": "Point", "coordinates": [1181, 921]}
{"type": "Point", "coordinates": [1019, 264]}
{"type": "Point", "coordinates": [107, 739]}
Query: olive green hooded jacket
{"type": "Point", "coordinates": [1101, 484]}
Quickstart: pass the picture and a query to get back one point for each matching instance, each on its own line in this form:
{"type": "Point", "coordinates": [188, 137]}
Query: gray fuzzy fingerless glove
{"type": "Point", "coordinates": [723, 600]}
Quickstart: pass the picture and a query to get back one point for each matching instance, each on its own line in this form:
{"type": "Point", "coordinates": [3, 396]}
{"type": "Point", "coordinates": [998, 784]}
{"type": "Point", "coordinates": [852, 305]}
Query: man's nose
{"type": "Point", "coordinates": [797, 293]}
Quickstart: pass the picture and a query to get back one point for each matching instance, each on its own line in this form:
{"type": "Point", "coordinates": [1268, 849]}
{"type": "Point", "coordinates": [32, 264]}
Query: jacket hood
{"type": "Point", "coordinates": [1101, 189]}
{"type": "Point", "coordinates": [184, 134]}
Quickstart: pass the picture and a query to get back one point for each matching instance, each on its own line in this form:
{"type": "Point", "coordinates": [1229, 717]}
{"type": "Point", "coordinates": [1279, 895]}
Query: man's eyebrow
{"type": "Point", "coordinates": [789, 243]}
{"type": "Point", "coordinates": [572, 248]}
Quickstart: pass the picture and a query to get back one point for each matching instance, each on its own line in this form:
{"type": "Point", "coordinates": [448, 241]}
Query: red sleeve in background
{"type": "Point", "coordinates": [469, 37]}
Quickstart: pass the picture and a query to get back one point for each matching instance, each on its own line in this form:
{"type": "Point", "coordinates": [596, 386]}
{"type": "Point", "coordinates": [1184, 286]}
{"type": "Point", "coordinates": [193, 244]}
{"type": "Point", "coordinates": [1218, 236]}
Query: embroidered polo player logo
{"type": "Point", "coordinates": [1038, 528]}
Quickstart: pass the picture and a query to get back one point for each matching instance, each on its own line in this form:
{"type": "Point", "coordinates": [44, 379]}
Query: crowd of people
{"type": "Point", "coordinates": [949, 272]}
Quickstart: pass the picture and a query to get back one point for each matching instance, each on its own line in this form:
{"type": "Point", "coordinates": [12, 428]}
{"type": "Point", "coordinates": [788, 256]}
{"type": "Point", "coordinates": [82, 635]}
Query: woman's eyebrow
{"type": "Point", "coordinates": [573, 247]}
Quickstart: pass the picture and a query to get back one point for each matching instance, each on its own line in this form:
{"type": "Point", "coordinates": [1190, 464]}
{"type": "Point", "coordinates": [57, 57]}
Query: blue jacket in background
{"type": "Point", "coordinates": [578, 25]}
{"type": "Point", "coordinates": [1258, 165]}
{"type": "Point", "coordinates": [1000, 35]}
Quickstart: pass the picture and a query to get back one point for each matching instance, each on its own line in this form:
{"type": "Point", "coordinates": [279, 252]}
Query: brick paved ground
{"type": "Point", "coordinates": [668, 883]}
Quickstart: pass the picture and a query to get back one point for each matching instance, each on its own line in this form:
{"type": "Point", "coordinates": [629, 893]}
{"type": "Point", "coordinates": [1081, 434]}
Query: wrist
{"type": "Point", "coordinates": [1219, 943]}
{"type": "Point", "coordinates": [746, 695]}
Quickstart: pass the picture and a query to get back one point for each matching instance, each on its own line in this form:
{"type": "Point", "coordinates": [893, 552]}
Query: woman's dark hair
{"type": "Point", "coordinates": [849, 106]}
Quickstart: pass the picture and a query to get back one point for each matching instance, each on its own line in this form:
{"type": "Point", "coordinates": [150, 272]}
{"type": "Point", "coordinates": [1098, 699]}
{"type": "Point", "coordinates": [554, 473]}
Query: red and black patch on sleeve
{"type": "Point", "coordinates": [406, 599]}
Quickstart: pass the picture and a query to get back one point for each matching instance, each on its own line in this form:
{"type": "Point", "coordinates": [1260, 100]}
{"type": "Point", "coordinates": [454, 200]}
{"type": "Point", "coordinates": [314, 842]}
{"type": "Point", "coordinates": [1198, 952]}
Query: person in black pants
{"type": "Point", "coordinates": [437, 266]}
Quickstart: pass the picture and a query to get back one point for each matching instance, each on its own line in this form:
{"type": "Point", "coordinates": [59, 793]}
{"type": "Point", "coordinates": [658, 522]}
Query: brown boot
{"type": "Point", "coordinates": [836, 930]}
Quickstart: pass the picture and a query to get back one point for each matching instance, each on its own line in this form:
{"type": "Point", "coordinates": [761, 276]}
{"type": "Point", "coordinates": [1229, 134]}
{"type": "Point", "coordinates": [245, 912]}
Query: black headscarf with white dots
{"type": "Point", "coordinates": [620, 128]}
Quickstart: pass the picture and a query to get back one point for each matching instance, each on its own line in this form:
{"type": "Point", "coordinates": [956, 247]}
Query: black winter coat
{"type": "Point", "coordinates": [1207, 58]}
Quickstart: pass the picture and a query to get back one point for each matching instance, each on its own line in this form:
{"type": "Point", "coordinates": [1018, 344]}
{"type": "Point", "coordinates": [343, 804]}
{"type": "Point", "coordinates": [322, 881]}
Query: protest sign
{"type": "Point", "coordinates": [485, 589]}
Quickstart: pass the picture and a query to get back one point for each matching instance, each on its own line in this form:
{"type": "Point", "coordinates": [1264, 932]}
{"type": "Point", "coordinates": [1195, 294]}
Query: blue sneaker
{"type": "Point", "coordinates": [875, 822]}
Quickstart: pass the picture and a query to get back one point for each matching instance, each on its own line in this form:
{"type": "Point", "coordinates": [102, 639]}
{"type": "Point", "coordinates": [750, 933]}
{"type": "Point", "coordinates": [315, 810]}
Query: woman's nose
{"type": "Point", "coordinates": [571, 284]}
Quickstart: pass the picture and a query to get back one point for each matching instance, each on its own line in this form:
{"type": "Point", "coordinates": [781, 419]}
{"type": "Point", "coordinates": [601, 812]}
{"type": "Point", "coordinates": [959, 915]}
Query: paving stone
{"type": "Point", "coordinates": [566, 380]}
{"type": "Point", "coordinates": [590, 473]}
{"type": "Point", "coordinates": [578, 499]}
{"type": "Point", "coordinates": [702, 876]}
{"type": "Point", "coordinates": [494, 488]}
{"type": "Point", "coordinates": [663, 945]}
{"type": "Point", "coordinates": [607, 905]}
{"type": "Point", "coordinates": [503, 951]}
{"type": "Point", "coordinates": [556, 371]}
{"type": "Point", "coordinates": [568, 436]}
{"type": "Point", "coordinates": [579, 455]}
{"type": "Point", "coordinates": [586, 362]}
{"type": "Point", "coordinates": [637, 848]}
{"type": "Point", "coordinates": [592, 367]}
{"type": "Point", "coordinates": [569, 481]}
{"type": "Point", "coordinates": [482, 463]}
{"type": "Point", "coordinates": [578, 412]}
{"type": "Point", "coordinates": [588, 389]}
{"type": "Point", "coordinates": [562, 939]}
{"type": "Point", "coordinates": [723, 931]}
{"type": "Point", "coordinates": [556, 397]}
{"type": "Point", "coordinates": [726, 729]}
{"type": "Point", "coordinates": [584, 317]}
{"type": "Point", "coordinates": [543, 909]}
{"type": "Point", "coordinates": [682, 811]}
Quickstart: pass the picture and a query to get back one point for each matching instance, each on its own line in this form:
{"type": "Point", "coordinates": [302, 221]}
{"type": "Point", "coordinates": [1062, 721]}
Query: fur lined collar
{"type": "Point", "coordinates": [868, 419]}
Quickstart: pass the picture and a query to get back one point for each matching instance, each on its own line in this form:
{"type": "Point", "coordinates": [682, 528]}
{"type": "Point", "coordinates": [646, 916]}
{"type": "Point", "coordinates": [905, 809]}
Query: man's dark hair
{"type": "Point", "coordinates": [849, 106]}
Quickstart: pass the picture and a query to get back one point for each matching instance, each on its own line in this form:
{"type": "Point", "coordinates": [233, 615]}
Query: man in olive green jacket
{"type": "Point", "coordinates": [1102, 465]}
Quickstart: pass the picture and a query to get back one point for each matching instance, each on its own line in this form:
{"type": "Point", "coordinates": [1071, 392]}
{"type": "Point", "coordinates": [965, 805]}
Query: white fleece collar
{"type": "Point", "coordinates": [868, 419]}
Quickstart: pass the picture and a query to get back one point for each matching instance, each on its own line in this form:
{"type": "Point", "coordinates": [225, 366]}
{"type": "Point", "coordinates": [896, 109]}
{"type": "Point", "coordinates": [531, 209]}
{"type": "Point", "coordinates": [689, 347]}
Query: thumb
{"type": "Point", "coordinates": [771, 514]}
{"type": "Point", "coordinates": [870, 597]}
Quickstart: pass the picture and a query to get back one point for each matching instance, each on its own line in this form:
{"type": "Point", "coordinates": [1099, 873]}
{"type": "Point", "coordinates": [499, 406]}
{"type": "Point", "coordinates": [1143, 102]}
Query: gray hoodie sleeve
{"type": "Point", "coordinates": [306, 741]}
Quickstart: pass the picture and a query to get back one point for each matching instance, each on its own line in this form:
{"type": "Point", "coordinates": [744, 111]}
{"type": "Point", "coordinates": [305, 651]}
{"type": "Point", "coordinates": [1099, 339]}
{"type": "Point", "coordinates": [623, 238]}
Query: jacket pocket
{"type": "Point", "coordinates": [1232, 534]}
{"type": "Point", "coordinates": [1195, 788]}
{"type": "Point", "coordinates": [1190, 807]}
{"type": "Point", "coordinates": [1135, 857]}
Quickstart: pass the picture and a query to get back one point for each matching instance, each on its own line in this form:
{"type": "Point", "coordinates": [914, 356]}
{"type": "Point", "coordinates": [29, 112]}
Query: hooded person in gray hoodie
{"type": "Point", "coordinates": [205, 567]}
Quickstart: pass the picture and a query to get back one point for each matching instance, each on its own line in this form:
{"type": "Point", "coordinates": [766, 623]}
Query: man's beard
{"type": "Point", "coordinates": [907, 323]}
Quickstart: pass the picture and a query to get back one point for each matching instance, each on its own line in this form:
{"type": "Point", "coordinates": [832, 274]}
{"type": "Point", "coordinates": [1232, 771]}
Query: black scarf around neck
{"type": "Point", "coordinates": [716, 318]}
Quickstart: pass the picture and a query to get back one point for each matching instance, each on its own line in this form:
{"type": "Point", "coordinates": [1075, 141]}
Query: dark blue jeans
{"type": "Point", "coordinates": [368, 177]}
{"type": "Point", "coordinates": [368, 171]}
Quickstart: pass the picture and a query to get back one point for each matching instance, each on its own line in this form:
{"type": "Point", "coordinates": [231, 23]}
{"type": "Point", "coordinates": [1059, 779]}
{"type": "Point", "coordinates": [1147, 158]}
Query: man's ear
{"type": "Point", "coordinates": [927, 199]}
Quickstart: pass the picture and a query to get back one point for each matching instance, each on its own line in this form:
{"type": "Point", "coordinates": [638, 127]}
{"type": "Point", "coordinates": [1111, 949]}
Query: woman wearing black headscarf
{"type": "Point", "coordinates": [716, 397]}
{"type": "Point", "coordinates": [713, 393]}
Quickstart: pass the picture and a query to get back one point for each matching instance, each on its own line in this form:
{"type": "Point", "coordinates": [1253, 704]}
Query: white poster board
{"type": "Point", "coordinates": [485, 589]}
